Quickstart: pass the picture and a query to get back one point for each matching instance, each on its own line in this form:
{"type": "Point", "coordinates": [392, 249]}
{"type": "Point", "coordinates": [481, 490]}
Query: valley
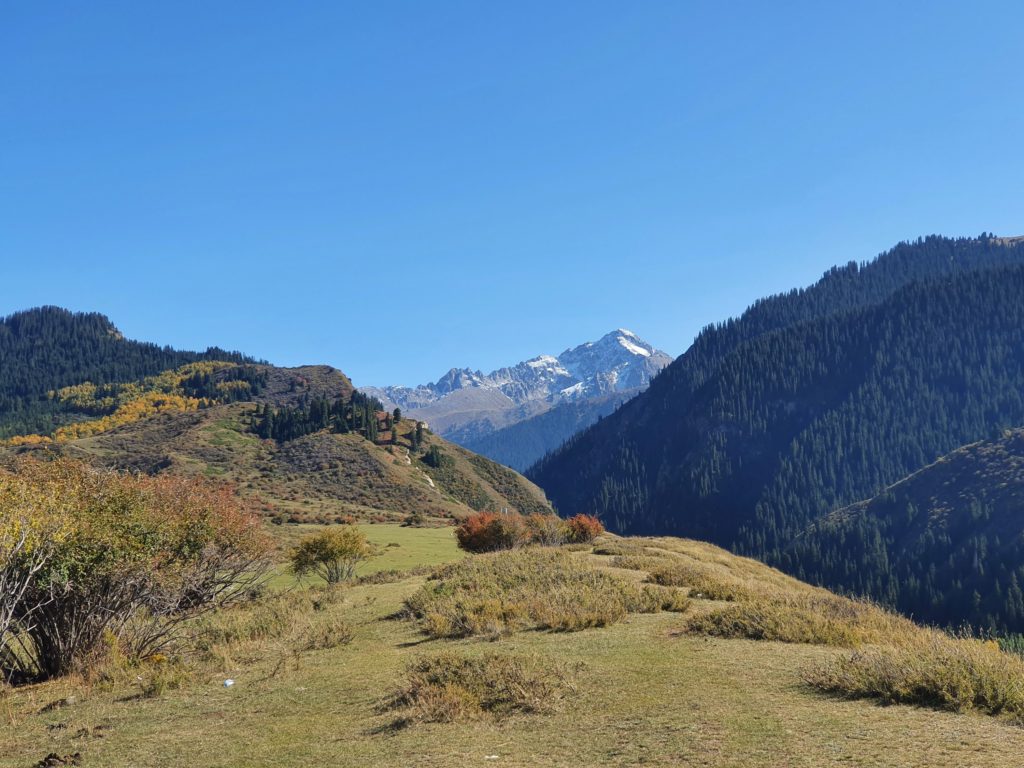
{"type": "Point", "coordinates": [518, 414]}
{"type": "Point", "coordinates": [861, 434]}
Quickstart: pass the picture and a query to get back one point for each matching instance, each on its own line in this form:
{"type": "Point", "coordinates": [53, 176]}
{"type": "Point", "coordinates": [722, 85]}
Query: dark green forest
{"type": "Point", "coordinates": [810, 401]}
{"type": "Point", "coordinates": [357, 413]}
{"type": "Point", "coordinates": [48, 348]}
{"type": "Point", "coordinates": [944, 544]}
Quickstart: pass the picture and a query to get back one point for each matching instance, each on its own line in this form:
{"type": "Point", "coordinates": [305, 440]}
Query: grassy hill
{"type": "Point", "coordinates": [352, 678]}
{"type": "Point", "coordinates": [946, 543]}
{"type": "Point", "coordinates": [320, 477]}
{"type": "Point", "coordinates": [76, 386]}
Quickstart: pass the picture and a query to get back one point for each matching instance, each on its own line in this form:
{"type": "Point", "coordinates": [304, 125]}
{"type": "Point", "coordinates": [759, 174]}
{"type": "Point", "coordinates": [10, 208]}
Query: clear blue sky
{"type": "Point", "coordinates": [400, 187]}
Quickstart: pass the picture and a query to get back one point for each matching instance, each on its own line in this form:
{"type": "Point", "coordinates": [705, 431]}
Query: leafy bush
{"type": "Point", "coordinates": [489, 532]}
{"type": "Point", "coordinates": [331, 554]}
{"type": "Point", "coordinates": [929, 668]}
{"type": "Point", "coordinates": [127, 555]}
{"type": "Point", "coordinates": [449, 688]}
{"type": "Point", "coordinates": [583, 529]}
{"type": "Point", "coordinates": [503, 592]}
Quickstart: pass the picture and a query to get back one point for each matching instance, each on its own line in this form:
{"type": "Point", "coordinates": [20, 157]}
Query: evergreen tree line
{"type": "Point", "coordinates": [246, 381]}
{"type": "Point", "coordinates": [944, 545]}
{"type": "Point", "coordinates": [357, 414]}
{"type": "Point", "coordinates": [46, 349]}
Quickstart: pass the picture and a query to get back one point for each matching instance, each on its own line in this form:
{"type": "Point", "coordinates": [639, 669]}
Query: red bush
{"type": "Point", "coordinates": [583, 529]}
{"type": "Point", "coordinates": [487, 532]}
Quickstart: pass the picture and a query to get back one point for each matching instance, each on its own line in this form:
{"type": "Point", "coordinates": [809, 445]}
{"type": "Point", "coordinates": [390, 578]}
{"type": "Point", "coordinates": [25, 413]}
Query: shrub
{"type": "Point", "coordinates": [929, 668]}
{"type": "Point", "coordinates": [449, 688]}
{"type": "Point", "coordinates": [134, 557]}
{"type": "Point", "coordinates": [545, 530]}
{"type": "Point", "coordinates": [499, 593]}
{"type": "Point", "coordinates": [583, 529]}
{"type": "Point", "coordinates": [30, 527]}
{"type": "Point", "coordinates": [488, 532]}
{"type": "Point", "coordinates": [331, 554]}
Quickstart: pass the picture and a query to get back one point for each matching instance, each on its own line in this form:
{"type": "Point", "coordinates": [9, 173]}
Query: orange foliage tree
{"type": "Point", "coordinates": [117, 554]}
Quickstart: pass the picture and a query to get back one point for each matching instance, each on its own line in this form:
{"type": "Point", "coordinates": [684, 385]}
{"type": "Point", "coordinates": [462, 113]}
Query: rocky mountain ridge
{"type": "Point", "coordinates": [470, 406]}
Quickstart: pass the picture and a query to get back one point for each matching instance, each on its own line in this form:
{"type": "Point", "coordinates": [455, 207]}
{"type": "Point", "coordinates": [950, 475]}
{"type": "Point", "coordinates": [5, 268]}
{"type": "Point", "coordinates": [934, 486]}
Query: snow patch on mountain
{"type": "Point", "coordinates": [617, 362]}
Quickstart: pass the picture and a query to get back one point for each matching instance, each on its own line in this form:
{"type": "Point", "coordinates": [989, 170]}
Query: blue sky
{"type": "Point", "coordinates": [397, 188]}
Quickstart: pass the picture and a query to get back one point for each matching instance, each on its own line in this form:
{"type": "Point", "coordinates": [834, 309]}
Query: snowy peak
{"type": "Point", "coordinates": [617, 362]}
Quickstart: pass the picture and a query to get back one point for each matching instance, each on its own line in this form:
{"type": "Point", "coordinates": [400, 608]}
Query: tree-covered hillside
{"type": "Point", "coordinates": [945, 544]}
{"type": "Point", "coordinates": [46, 349]}
{"type": "Point", "coordinates": [811, 400]}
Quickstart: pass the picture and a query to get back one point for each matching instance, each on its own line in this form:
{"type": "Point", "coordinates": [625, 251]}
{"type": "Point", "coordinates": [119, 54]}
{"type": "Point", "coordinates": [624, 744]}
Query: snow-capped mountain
{"type": "Point", "coordinates": [466, 405]}
{"type": "Point", "coordinates": [617, 362]}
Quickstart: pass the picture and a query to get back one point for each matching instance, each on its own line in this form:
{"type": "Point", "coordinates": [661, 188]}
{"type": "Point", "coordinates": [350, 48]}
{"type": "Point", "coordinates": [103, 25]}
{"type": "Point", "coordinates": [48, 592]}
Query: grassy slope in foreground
{"type": "Point", "coordinates": [646, 695]}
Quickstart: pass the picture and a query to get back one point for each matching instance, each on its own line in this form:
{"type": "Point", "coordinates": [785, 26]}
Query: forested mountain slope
{"type": "Point", "coordinates": [519, 445]}
{"type": "Point", "coordinates": [302, 441]}
{"type": "Point", "coordinates": [811, 400]}
{"type": "Point", "coordinates": [945, 544]}
{"type": "Point", "coordinates": [43, 350]}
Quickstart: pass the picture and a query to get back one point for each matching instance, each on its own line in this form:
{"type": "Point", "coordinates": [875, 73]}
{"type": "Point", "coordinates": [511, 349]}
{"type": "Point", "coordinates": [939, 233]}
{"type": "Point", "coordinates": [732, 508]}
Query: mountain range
{"type": "Point", "coordinates": [518, 413]}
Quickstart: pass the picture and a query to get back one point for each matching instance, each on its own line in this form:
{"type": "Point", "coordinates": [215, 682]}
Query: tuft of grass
{"type": "Point", "coordinates": [701, 582]}
{"type": "Point", "coordinates": [931, 669]}
{"type": "Point", "coordinates": [392, 575]}
{"type": "Point", "coordinates": [658, 598]}
{"type": "Point", "coordinates": [814, 619]}
{"type": "Point", "coordinates": [325, 632]}
{"type": "Point", "coordinates": [620, 548]}
{"type": "Point", "coordinates": [640, 562]}
{"type": "Point", "coordinates": [161, 676]}
{"type": "Point", "coordinates": [451, 688]}
{"type": "Point", "coordinates": [499, 593]}
{"type": "Point", "coordinates": [288, 623]}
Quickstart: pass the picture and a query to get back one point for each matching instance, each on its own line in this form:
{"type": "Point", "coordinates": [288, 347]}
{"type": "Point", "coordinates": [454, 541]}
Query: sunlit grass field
{"type": "Point", "coordinates": [646, 691]}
